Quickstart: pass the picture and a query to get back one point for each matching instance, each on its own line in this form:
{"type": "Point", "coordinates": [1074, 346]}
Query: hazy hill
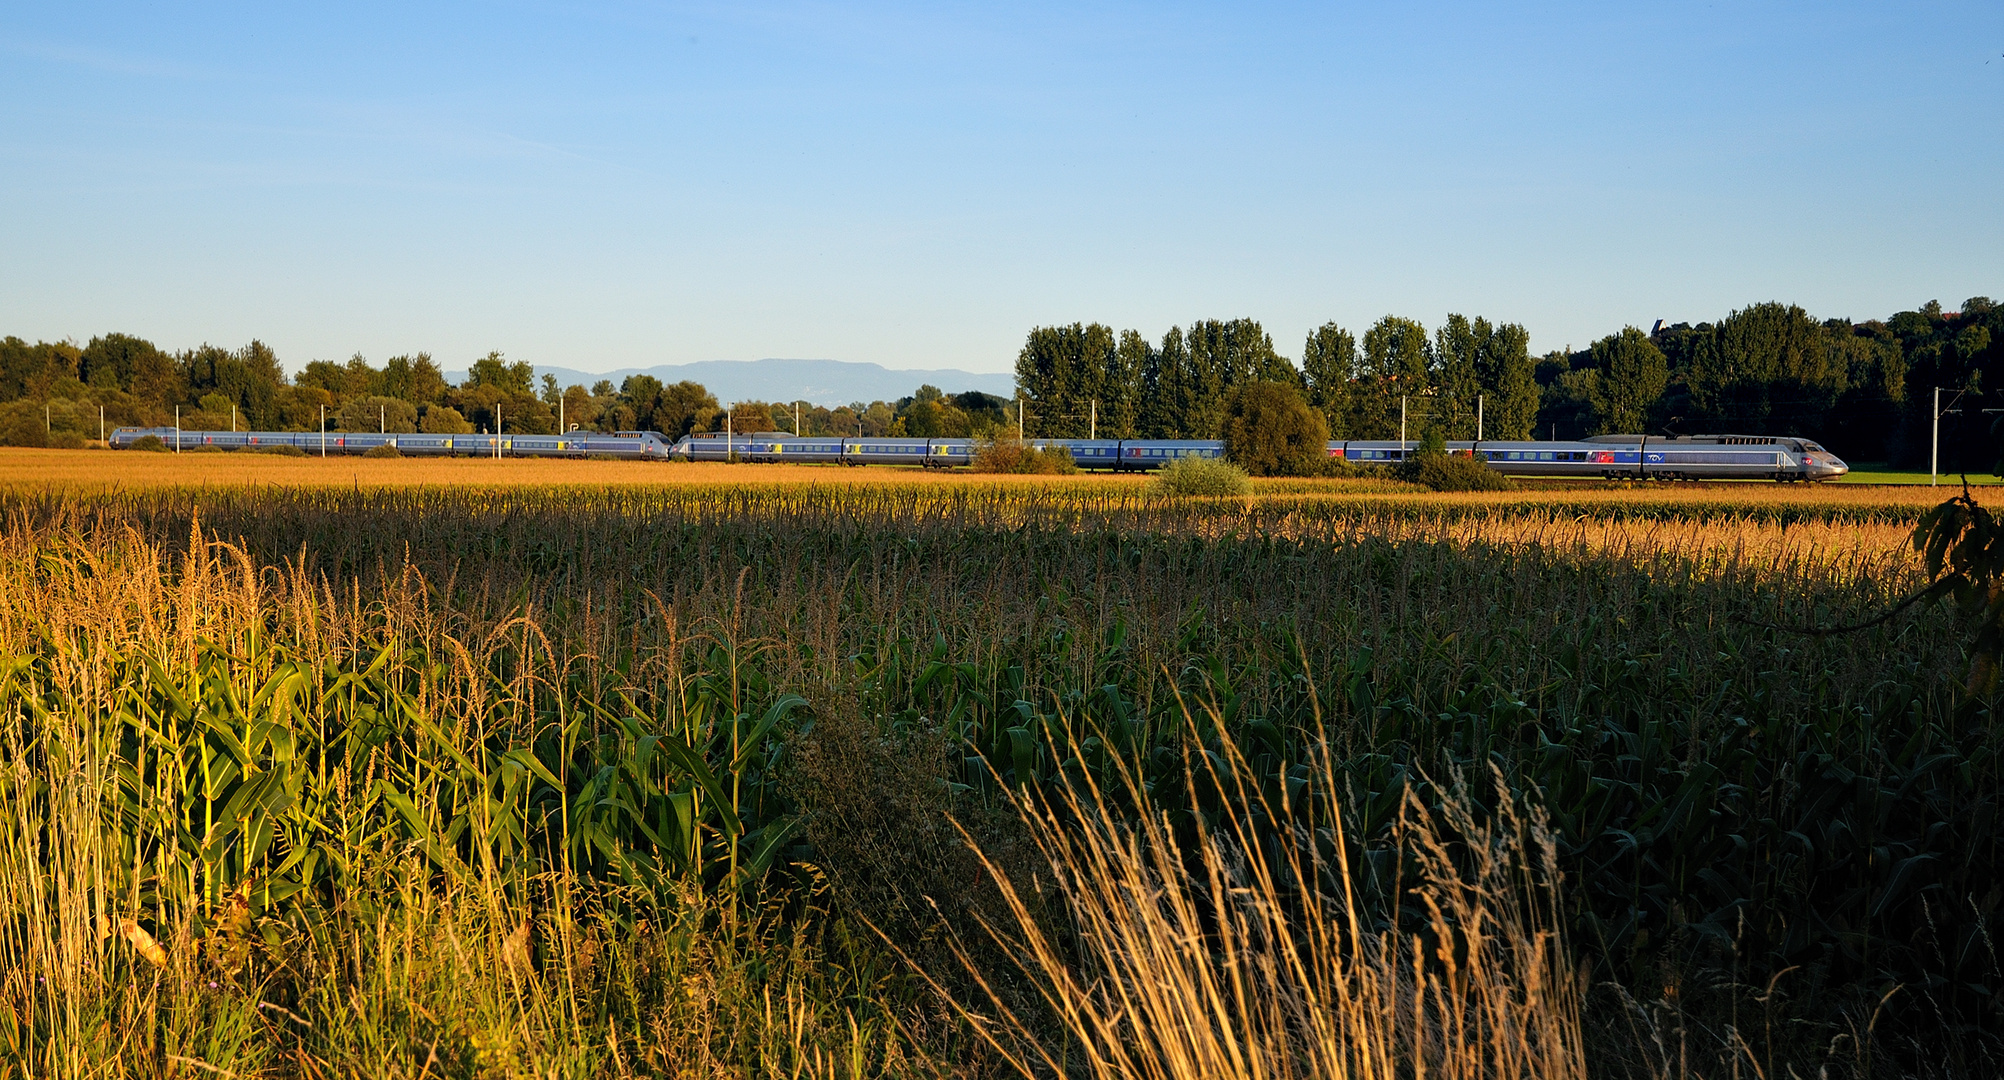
{"type": "Point", "coordinates": [821, 382]}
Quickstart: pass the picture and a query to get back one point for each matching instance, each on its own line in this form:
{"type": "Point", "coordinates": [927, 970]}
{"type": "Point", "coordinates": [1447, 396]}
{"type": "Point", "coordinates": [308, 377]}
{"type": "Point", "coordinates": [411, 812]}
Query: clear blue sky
{"type": "Point", "coordinates": [597, 185]}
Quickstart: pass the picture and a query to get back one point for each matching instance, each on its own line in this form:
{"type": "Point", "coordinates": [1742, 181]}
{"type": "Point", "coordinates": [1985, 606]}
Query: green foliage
{"type": "Point", "coordinates": [384, 451]}
{"type": "Point", "coordinates": [1432, 466]}
{"type": "Point", "coordinates": [496, 372]}
{"type": "Point", "coordinates": [279, 449]}
{"type": "Point", "coordinates": [1010, 456]}
{"type": "Point", "coordinates": [1200, 477]}
{"type": "Point", "coordinates": [1443, 471]}
{"type": "Point", "coordinates": [1064, 371]}
{"type": "Point", "coordinates": [151, 443]}
{"type": "Point", "coordinates": [1328, 363]}
{"type": "Point", "coordinates": [444, 420]}
{"type": "Point", "coordinates": [379, 414]}
{"type": "Point", "coordinates": [1270, 430]}
{"type": "Point", "coordinates": [1629, 375]}
{"type": "Point", "coordinates": [1963, 546]}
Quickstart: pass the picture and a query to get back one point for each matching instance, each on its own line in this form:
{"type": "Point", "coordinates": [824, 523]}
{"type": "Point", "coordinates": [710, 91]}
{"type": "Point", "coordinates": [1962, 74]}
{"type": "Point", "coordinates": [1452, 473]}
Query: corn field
{"type": "Point", "coordinates": [816, 781]}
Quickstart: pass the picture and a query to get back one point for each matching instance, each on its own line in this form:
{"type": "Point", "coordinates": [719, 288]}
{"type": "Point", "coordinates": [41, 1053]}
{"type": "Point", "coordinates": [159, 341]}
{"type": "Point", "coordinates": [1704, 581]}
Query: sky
{"type": "Point", "coordinates": [604, 185]}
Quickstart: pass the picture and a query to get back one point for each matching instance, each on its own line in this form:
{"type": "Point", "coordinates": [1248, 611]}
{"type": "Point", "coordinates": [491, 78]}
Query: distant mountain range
{"type": "Point", "coordinates": [822, 382]}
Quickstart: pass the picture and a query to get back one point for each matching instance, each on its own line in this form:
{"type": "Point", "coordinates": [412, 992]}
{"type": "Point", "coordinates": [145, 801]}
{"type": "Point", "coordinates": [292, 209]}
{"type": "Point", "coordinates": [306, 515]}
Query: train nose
{"type": "Point", "coordinates": [1827, 467]}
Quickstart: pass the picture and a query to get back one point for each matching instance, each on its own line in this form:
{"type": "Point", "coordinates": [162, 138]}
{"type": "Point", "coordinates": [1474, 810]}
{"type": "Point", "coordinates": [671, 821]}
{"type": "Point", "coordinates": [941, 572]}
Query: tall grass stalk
{"type": "Point", "coordinates": [1210, 947]}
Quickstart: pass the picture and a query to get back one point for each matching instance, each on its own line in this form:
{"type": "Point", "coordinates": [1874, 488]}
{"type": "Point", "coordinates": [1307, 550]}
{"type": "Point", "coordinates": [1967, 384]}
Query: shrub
{"type": "Point", "coordinates": [1345, 469]}
{"type": "Point", "coordinates": [1200, 476]}
{"type": "Point", "coordinates": [1443, 471]}
{"type": "Point", "coordinates": [1270, 430]}
{"type": "Point", "coordinates": [153, 443]}
{"type": "Point", "coordinates": [67, 440]}
{"type": "Point", "coordinates": [281, 449]}
{"type": "Point", "coordinates": [202, 448]}
{"type": "Point", "coordinates": [444, 420]}
{"type": "Point", "coordinates": [383, 451]}
{"type": "Point", "coordinates": [1010, 456]}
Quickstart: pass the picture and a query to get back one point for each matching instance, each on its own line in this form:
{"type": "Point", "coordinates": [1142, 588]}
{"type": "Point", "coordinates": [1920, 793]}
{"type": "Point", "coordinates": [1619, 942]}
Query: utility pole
{"type": "Point", "coordinates": [561, 429]}
{"type": "Point", "coordinates": [1093, 431]}
{"type": "Point", "coordinates": [177, 429]}
{"type": "Point", "coordinates": [730, 434]}
{"type": "Point", "coordinates": [1478, 418]}
{"type": "Point", "coordinates": [497, 431]}
{"type": "Point", "coordinates": [382, 418]}
{"type": "Point", "coordinates": [233, 418]}
{"type": "Point", "coordinates": [1934, 439]}
{"type": "Point", "coordinates": [100, 423]}
{"type": "Point", "coordinates": [323, 431]}
{"type": "Point", "coordinates": [1402, 425]}
{"type": "Point", "coordinates": [796, 419]}
{"type": "Point", "coordinates": [1019, 416]}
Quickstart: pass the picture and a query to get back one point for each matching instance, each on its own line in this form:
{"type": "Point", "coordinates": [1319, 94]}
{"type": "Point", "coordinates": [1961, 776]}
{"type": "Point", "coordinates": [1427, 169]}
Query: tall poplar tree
{"type": "Point", "coordinates": [1458, 348]}
{"type": "Point", "coordinates": [1125, 387]}
{"type": "Point", "coordinates": [1223, 355]}
{"type": "Point", "coordinates": [1396, 361]}
{"type": "Point", "coordinates": [1509, 379]}
{"type": "Point", "coordinates": [1061, 372]}
{"type": "Point", "coordinates": [1328, 365]}
{"type": "Point", "coordinates": [1629, 375]}
{"type": "Point", "coordinates": [1169, 414]}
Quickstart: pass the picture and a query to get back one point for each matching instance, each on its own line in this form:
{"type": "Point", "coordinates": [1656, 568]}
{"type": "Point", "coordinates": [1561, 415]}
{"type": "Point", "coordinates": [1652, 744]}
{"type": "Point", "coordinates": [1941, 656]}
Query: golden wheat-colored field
{"type": "Point", "coordinates": [109, 470]}
{"type": "Point", "coordinates": [123, 469]}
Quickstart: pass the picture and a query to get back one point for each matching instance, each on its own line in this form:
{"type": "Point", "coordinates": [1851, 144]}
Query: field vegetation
{"type": "Point", "coordinates": [932, 776]}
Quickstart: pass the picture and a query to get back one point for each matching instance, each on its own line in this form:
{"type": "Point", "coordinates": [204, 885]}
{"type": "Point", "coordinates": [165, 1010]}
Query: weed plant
{"type": "Point", "coordinates": [1200, 476]}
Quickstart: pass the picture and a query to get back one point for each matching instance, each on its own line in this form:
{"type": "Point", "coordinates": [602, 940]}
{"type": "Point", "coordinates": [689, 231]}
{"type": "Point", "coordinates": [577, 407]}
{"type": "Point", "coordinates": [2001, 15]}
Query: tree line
{"type": "Point", "coordinates": [1865, 389]}
{"type": "Point", "coordinates": [64, 394]}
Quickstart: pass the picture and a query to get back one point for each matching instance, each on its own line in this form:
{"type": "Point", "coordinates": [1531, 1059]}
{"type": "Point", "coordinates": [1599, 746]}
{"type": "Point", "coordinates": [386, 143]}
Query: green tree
{"type": "Point", "coordinates": [674, 410]}
{"type": "Point", "coordinates": [1458, 348]}
{"type": "Point", "coordinates": [1222, 355]}
{"type": "Point", "coordinates": [250, 379]}
{"type": "Point", "coordinates": [641, 394]}
{"type": "Point", "coordinates": [877, 419]}
{"type": "Point", "coordinates": [1269, 429]}
{"type": "Point", "coordinates": [1630, 373]}
{"type": "Point", "coordinates": [377, 412]}
{"type": "Point", "coordinates": [929, 415]}
{"type": "Point", "coordinates": [1165, 394]}
{"type": "Point", "coordinates": [1061, 372]}
{"type": "Point", "coordinates": [494, 370]}
{"type": "Point", "coordinates": [581, 409]}
{"type": "Point", "coordinates": [338, 380]}
{"type": "Point", "coordinates": [1328, 365]}
{"type": "Point", "coordinates": [748, 418]}
{"type": "Point", "coordinates": [1396, 359]}
{"type": "Point", "coordinates": [134, 365]}
{"type": "Point", "coordinates": [1767, 367]}
{"type": "Point", "coordinates": [415, 379]}
{"type": "Point", "coordinates": [1121, 386]}
{"type": "Point", "coordinates": [1509, 384]}
{"type": "Point", "coordinates": [33, 370]}
{"type": "Point", "coordinates": [444, 420]}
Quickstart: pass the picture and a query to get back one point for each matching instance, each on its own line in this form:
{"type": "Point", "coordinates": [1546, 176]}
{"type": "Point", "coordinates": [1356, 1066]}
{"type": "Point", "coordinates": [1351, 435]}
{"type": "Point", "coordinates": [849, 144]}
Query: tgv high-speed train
{"type": "Point", "coordinates": [1682, 457]}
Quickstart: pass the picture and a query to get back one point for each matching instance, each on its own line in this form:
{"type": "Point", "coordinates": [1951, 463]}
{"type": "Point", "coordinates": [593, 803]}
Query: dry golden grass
{"type": "Point", "coordinates": [101, 469]}
{"type": "Point", "coordinates": [88, 469]}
